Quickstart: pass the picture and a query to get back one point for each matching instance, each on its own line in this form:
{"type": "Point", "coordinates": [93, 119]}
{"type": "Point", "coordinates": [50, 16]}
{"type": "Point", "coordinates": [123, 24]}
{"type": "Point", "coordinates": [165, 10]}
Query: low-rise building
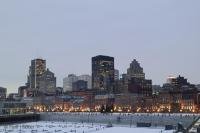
{"type": "Point", "coordinates": [12, 107]}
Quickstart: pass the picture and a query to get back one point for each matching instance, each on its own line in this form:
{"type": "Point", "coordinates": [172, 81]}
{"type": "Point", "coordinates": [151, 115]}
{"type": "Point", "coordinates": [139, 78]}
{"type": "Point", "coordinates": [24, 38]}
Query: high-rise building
{"type": "Point", "coordinates": [3, 92]}
{"type": "Point", "coordinates": [136, 82]}
{"type": "Point", "coordinates": [79, 85]}
{"type": "Point", "coordinates": [135, 70]}
{"type": "Point", "coordinates": [103, 73]}
{"type": "Point", "coordinates": [47, 83]}
{"type": "Point", "coordinates": [40, 79]}
{"type": "Point", "coordinates": [37, 68]}
{"type": "Point", "coordinates": [86, 78]}
{"type": "Point", "coordinates": [68, 82]}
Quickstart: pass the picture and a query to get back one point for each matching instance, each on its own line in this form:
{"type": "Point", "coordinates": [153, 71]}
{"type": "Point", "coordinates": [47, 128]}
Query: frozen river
{"type": "Point", "coordinates": [68, 127]}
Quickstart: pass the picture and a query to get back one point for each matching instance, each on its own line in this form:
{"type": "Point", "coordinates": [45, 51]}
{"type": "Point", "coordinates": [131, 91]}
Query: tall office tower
{"type": "Point", "coordinates": [86, 78]}
{"type": "Point", "coordinates": [37, 68]}
{"type": "Point", "coordinates": [68, 82]}
{"type": "Point", "coordinates": [136, 82]}
{"type": "Point", "coordinates": [47, 83]}
{"type": "Point", "coordinates": [135, 70]}
{"type": "Point", "coordinates": [40, 79]}
{"type": "Point", "coordinates": [103, 73]}
{"type": "Point", "coordinates": [116, 74]}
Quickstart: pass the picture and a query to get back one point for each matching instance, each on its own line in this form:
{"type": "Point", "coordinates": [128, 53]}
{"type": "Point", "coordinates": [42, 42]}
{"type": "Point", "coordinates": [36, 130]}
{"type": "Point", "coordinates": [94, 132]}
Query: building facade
{"type": "Point", "coordinates": [40, 80]}
{"type": "Point", "coordinates": [79, 85]}
{"type": "Point", "coordinates": [116, 75]}
{"type": "Point", "coordinates": [141, 87]}
{"type": "Point", "coordinates": [135, 70]}
{"type": "Point", "coordinates": [22, 91]}
{"type": "Point", "coordinates": [47, 83]}
{"type": "Point", "coordinates": [72, 78]}
{"type": "Point", "coordinates": [87, 78]}
{"type": "Point", "coordinates": [68, 81]}
{"type": "Point", "coordinates": [103, 73]}
{"type": "Point", "coordinates": [137, 83]}
{"type": "Point", "coordinates": [3, 92]}
{"type": "Point", "coordinates": [12, 107]}
{"type": "Point", "coordinates": [37, 68]}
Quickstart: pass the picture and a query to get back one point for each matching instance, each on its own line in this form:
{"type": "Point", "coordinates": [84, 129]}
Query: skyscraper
{"type": "Point", "coordinates": [86, 78]}
{"type": "Point", "coordinates": [40, 79]}
{"type": "Point", "coordinates": [68, 82]}
{"type": "Point", "coordinates": [103, 73]}
{"type": "Point", "coordinates": [37, 68]}
{"type": "Point", "coordinates": [137, 83]}
{"type": "Point", "coordinates": [135, 70]}
{"type": "Point", "coordinates": [47, 82]}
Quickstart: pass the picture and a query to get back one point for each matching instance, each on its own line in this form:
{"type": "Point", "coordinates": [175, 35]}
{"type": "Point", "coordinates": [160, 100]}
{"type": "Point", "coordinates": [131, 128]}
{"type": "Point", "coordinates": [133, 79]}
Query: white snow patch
{"type": "Point", "coordinates": [69, 127]}
{"type": "Point", "coordinates": [133, 130]}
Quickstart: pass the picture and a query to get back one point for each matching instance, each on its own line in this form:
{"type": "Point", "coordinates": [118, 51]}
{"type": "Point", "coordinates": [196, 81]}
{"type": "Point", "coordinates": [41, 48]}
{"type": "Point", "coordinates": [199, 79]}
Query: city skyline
{"type": "Point", "coordinates": [162, 35]}
{"type": "Point", "coordinates": [61, 84]}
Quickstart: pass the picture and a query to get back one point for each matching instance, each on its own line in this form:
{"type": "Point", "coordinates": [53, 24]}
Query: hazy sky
{"type": "Point", "coordinates": [163, 35]}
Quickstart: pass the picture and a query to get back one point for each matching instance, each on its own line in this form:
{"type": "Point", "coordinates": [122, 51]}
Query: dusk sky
{"type": "Point", "coordinates": [163, 35]}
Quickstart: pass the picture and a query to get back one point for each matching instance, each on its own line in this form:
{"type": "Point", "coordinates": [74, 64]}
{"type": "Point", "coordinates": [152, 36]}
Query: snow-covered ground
{"type": "Point", "coordinates": [51, 127]}
{"type": "Point", "coordinates": [68, 127]}
{"type": "Point", "coordinates": [156, 119]}
{"type": "Point", "coordinates": [133, 130]}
